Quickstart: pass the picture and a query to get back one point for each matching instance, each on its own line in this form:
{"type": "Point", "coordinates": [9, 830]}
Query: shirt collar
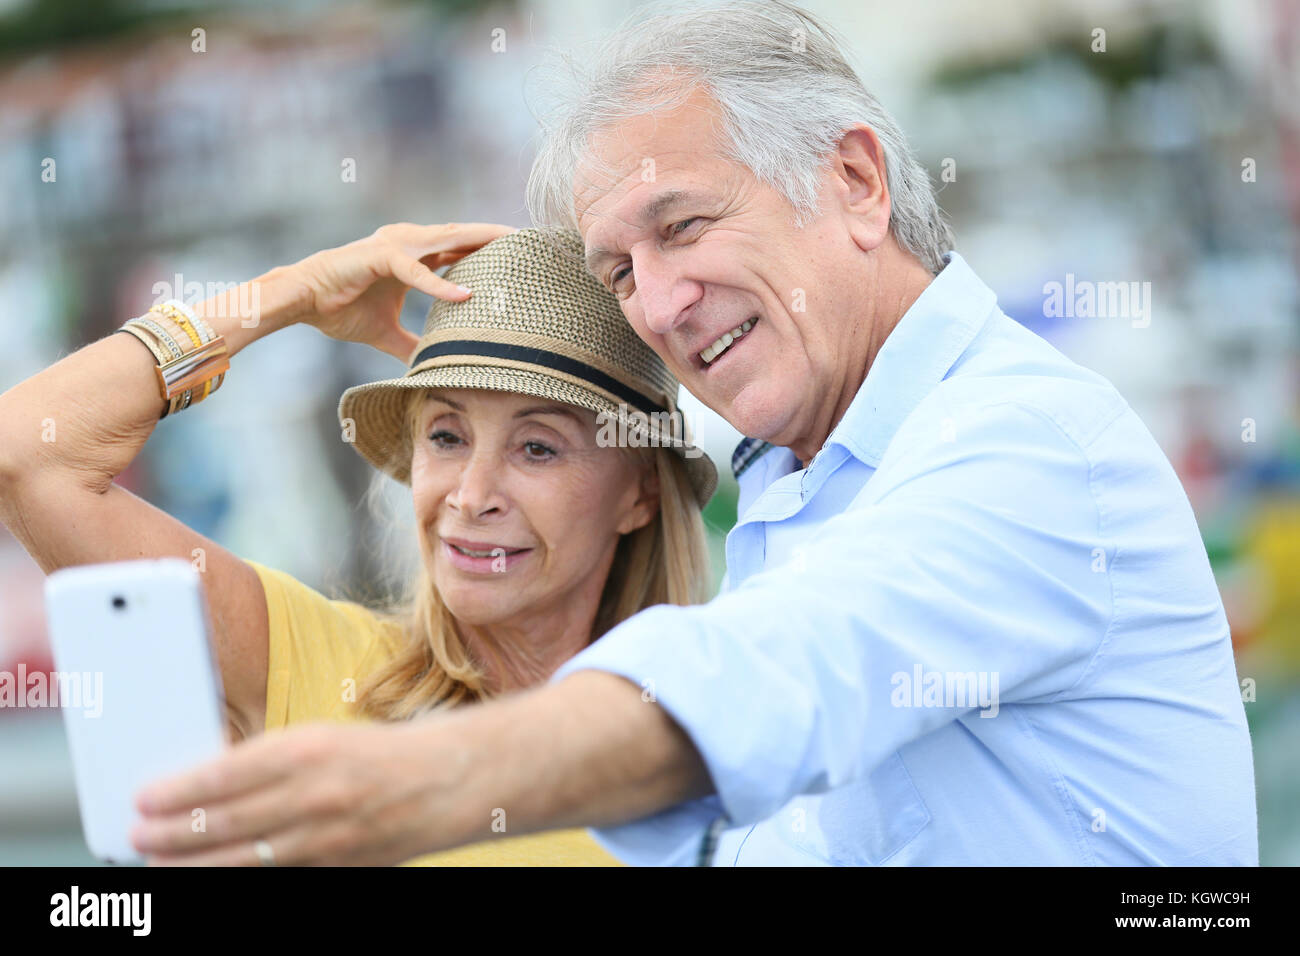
{"type": "Point", "coordinates": [915, 358]}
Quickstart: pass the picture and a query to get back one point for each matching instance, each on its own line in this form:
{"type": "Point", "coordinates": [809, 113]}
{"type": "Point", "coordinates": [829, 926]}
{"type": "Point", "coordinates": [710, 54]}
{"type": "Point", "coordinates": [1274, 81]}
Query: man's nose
{"type": "Point", "coordinates": [664, 293]}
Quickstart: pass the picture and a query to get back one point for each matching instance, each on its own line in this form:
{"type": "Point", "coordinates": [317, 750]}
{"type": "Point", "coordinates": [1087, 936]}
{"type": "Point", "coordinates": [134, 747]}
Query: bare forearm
{"type": "Point", "coordinates": [586, 751]}
{"type": "Point", "coordinates": [88, 415]}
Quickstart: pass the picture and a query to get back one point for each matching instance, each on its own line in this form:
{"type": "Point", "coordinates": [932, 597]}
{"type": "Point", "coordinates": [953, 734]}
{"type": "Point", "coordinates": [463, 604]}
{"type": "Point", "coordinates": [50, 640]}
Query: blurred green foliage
{"type": "Point", "coordinates": [54, 23]}
{"type": "Point", "coordinates": [1152, 53]}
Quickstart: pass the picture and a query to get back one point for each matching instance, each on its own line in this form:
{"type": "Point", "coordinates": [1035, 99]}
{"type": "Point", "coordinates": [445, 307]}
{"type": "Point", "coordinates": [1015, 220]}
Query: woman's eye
{"type": "Point", "coordinates": [536, 450]}
{"type": "Point", "coordinates": [444, 438]}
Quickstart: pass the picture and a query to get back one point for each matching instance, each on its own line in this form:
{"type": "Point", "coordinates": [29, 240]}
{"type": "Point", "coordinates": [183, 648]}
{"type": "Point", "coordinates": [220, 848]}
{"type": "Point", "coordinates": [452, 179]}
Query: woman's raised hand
{"type": "Point", "coordinates": [355, 292]}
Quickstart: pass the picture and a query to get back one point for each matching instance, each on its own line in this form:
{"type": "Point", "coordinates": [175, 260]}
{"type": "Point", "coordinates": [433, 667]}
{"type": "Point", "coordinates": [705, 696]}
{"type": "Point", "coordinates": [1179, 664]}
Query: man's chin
{"type": "Point", "coordinates": [764, 417]}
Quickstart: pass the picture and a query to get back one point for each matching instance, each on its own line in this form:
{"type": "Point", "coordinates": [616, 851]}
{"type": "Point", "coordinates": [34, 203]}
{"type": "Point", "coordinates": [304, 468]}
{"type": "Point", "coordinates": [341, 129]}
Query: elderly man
{"type": "Point", "coordinates": [968, 616]}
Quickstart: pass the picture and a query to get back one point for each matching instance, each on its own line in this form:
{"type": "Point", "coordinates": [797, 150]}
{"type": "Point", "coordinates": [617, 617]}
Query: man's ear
{"type": "Point", "coordinates": [862, 187]}
{"type": "Point", "coordinates": [646, 505]}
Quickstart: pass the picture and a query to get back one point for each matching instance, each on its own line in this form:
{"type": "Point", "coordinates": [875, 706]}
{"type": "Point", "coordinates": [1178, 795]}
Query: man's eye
{"type": "Point", "coordinates": [621, 282]}
{"type": "Point", "coordinates": [680, 226]}
{"type": "Point", "coordinates": [535, 449]}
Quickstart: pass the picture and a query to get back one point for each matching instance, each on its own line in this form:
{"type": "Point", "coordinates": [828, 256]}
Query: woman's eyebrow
{"type": "Point", "coordinates": [530, 410]}
{"type": "Point", "coordinates": [549, 410]}
{"type": "Point", "coordinates": [446, 401]}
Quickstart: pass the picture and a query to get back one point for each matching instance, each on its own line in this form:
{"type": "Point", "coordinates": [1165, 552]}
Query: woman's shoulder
{"type": "Point", "coordinates": [319, 648]}
{"type": "Point", "coordinates": [298, 601]}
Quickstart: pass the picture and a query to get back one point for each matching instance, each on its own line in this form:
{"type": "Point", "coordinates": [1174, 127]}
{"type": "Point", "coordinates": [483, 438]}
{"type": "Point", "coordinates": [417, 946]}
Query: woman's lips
{"type": "Point", "coordinates": [487, 559]}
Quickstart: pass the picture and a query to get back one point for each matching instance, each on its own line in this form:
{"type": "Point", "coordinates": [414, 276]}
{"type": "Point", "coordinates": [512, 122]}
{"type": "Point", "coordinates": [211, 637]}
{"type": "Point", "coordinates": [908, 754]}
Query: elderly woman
{"type": "Point", "coordinates": [536, 536]}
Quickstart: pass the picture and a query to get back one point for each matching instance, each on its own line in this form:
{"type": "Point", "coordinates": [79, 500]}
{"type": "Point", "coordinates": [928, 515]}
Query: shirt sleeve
{"type": "Point", "coordinates": [975, 556]}
{"type": "Point", "coordinates": [319, 649]}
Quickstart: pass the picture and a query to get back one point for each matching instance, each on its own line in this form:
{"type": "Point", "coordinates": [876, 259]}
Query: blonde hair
{"type": "Point", "coordinates": [664, 562]}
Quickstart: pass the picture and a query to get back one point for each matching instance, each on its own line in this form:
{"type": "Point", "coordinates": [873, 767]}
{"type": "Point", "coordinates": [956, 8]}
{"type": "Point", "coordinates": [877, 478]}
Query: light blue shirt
{"type": "Point", "coordinates": [979, 628]}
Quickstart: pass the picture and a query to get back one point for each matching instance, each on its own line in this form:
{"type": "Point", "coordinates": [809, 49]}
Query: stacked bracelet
{"type": "Point", "coordinates": [184, 343]}
{"type": "Point", "coordinates": [198, 331]}
{"type": "Point", "coordinates": [192, 359]}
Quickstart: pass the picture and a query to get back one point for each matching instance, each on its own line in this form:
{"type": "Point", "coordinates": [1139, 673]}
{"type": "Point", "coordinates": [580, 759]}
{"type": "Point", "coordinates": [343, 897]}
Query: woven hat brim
{"type": "Point", "coordinates": [378, 428]}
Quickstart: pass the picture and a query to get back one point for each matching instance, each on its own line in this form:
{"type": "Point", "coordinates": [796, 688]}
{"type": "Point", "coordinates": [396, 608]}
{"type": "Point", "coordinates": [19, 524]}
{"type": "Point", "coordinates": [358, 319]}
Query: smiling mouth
{"type": "Point", "coordinates": [726, 340]}
{"type": "Point", "coordinates": [489, 553]}
{"type": "Point", "coordinates": [482, 557]}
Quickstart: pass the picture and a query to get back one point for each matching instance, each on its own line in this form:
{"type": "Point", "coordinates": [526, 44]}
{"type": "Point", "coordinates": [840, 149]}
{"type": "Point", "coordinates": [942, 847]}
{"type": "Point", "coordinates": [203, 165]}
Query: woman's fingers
{"type": "Point", "coordinates": [419, 276]}
{"type": "Point", "coordinates": [398, 343]}
{"type": "Point", "coordinates": [358, 289]}
{"type": "Point", "coordinates": [436, 260]}
{"type": "Point", "coordinates": [413, 252]}
{"type": "Point", "coordinates": [419, 240]}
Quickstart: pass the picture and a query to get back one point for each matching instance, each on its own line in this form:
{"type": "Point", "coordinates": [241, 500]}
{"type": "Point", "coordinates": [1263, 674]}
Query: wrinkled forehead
{"type": "Point", "coordinates": [599, 182]}
{"type": "Point", "coordinates": [638, 153]}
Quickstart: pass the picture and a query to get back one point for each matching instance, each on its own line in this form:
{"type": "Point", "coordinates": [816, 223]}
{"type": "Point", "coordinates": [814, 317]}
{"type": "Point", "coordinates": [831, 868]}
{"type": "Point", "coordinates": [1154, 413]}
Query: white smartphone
{"type": "Point", "coordinates": [132, 638]}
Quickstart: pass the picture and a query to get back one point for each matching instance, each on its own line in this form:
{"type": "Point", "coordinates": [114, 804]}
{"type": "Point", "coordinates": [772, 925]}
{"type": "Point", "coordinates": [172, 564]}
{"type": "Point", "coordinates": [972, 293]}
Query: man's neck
{"type": "Point", "coordinates": [897, 288]}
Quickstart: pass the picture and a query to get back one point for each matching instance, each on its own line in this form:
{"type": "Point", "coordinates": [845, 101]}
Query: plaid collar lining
{"type": "Point", "coordinates": [746, 453]}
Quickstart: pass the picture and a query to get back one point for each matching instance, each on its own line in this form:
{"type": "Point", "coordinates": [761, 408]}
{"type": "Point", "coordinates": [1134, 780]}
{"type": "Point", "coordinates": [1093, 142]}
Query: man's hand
{"type": "Point", "coordinates": [586, 751]}
{"type": "Point", "coordinates": [325, 794]}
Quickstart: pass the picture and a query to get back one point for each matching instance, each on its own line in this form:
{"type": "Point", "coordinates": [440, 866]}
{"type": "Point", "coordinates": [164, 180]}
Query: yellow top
{"type": "Point", "coordinates": [320, 649]}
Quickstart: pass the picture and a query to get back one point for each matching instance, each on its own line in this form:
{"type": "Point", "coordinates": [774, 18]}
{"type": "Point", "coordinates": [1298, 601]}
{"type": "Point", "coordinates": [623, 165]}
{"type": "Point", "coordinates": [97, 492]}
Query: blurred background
{"type": "Point", "coordinates": [1169, 155]}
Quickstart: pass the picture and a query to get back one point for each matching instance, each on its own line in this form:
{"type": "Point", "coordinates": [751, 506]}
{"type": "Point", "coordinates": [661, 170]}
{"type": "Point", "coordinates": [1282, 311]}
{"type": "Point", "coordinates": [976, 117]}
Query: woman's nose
{"type": "Point", "coordinates": [477, 491]}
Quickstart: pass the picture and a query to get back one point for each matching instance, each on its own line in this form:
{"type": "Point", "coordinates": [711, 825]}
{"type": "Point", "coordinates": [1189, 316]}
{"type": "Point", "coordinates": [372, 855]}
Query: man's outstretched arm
{"type": "Point", "coordinates": [588, 750]}
{"type": "Point", "coordinates": [582, 750]}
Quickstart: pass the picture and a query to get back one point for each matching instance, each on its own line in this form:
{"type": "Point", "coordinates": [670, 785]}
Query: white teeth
{"type": "Point", "coordinates": [724, 342]}
{"type": "Point", "coordinates": [475, 554]}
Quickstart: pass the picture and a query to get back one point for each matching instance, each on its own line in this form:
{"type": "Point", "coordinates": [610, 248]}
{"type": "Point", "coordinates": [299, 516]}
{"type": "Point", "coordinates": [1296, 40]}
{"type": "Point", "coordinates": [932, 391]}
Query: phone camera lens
{"type": "Point", "coordinates": [119, 602]}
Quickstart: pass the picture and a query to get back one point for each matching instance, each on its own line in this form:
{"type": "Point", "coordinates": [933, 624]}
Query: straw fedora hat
{"type": "Point", "coordinates": [538, 323]}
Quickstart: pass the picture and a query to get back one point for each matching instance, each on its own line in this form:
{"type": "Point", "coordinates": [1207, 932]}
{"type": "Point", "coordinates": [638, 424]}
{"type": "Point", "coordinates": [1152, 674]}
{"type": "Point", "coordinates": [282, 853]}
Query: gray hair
{"type": "Point", "coordinates": [786, 95]}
